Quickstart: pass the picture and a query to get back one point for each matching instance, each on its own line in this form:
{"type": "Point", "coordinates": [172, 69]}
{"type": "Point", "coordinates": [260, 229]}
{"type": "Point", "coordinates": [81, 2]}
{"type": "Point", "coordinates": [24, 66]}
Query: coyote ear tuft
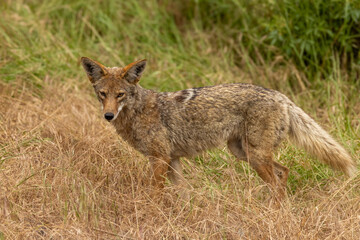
{"type": "Point", "coordinates": [133, 71]}
{"type": "Point", "coordinates": [93, 69]}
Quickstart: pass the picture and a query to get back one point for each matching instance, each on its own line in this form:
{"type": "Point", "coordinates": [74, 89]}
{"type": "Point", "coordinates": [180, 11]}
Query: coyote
{"type": "Point", "coordinates": [251, 120]}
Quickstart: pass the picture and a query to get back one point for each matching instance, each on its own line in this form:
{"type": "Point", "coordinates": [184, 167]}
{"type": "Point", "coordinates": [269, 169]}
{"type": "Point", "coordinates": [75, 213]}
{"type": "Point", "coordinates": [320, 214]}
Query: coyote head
{"type": "Point", "coordinates": [115, 88]}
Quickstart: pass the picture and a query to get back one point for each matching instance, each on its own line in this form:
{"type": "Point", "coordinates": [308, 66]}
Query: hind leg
{"type": "Point", "coordinates": [261, 160]}
{"type": "Point", "coordinates": [266, 168]}
{"type": "Point", "coordinates": [235, 148]}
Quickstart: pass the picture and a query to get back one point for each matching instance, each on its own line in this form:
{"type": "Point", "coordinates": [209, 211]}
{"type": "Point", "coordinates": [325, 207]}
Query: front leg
{"type": "Point", "coordinates": [159, 166]}
{"type": "Point", "coordinates": [175, 174]}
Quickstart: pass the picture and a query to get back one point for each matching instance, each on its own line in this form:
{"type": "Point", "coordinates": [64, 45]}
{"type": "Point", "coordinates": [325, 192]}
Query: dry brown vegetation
{"type": "Point", "coordinates": [65, 174]}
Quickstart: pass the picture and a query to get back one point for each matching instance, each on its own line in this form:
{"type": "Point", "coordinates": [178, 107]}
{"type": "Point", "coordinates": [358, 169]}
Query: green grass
{"type": "Point", "coordinates": [50, 37]}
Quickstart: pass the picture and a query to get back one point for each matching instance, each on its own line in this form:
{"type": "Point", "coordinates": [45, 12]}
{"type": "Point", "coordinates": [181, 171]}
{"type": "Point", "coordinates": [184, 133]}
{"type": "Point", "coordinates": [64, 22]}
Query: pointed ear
{"type": "Point", "coordinates": [133, 71]}
{"type": "Point", "coordinates": [93, 69]}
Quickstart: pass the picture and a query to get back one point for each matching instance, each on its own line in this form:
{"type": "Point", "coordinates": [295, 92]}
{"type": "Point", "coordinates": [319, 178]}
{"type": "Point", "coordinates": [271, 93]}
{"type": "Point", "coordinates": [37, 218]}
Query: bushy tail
{"type": "Point", "coordinates": [306, 133]}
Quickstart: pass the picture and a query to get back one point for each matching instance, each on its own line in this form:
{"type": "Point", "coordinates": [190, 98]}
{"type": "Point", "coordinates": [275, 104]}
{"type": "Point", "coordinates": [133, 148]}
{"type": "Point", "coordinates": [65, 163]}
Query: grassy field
{"type": "Point", "coordinates": [65, 174]}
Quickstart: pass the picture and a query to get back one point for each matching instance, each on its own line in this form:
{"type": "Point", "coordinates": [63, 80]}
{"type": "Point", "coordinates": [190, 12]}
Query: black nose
{"type": "Point", "coordinates": [109, 116]}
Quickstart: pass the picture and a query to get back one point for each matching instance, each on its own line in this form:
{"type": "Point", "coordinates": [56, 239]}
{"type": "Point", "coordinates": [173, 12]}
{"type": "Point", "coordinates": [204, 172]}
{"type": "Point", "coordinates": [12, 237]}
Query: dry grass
{"type": "Point", "coordinates": [65, 174]}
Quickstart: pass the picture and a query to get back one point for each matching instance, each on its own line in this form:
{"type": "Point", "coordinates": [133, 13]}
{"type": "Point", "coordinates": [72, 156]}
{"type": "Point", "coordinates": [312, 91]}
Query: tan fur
{"type": "Point", "coordinates": [168, 125]}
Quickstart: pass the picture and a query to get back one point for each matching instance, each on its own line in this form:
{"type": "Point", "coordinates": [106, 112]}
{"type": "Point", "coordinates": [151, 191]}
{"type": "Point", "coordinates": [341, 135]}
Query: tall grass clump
{"type": "Point", "coordinates": [311, 32]}
{"type": "Point", "coordinates": [307, 33]}
{"type": "Point", "coordinates": [50, 36]}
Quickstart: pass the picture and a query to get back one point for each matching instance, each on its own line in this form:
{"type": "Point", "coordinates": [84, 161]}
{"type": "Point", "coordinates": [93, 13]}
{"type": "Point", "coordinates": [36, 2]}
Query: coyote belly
{"type": "Point", "coordinates": [251, 120]}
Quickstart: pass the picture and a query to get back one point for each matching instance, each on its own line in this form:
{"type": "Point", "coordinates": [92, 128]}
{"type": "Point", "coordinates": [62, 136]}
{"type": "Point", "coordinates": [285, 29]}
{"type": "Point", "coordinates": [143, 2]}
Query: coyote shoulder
{"type": "Point", "coordinates": [251, 120]}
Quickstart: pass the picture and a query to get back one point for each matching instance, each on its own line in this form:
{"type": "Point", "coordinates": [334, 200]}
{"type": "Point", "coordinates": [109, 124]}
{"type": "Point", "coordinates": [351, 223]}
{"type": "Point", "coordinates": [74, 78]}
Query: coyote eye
{"type": "Point", "coordinates": [102, 94]}
{"type": "Point", "coordinates": [120, 95]}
